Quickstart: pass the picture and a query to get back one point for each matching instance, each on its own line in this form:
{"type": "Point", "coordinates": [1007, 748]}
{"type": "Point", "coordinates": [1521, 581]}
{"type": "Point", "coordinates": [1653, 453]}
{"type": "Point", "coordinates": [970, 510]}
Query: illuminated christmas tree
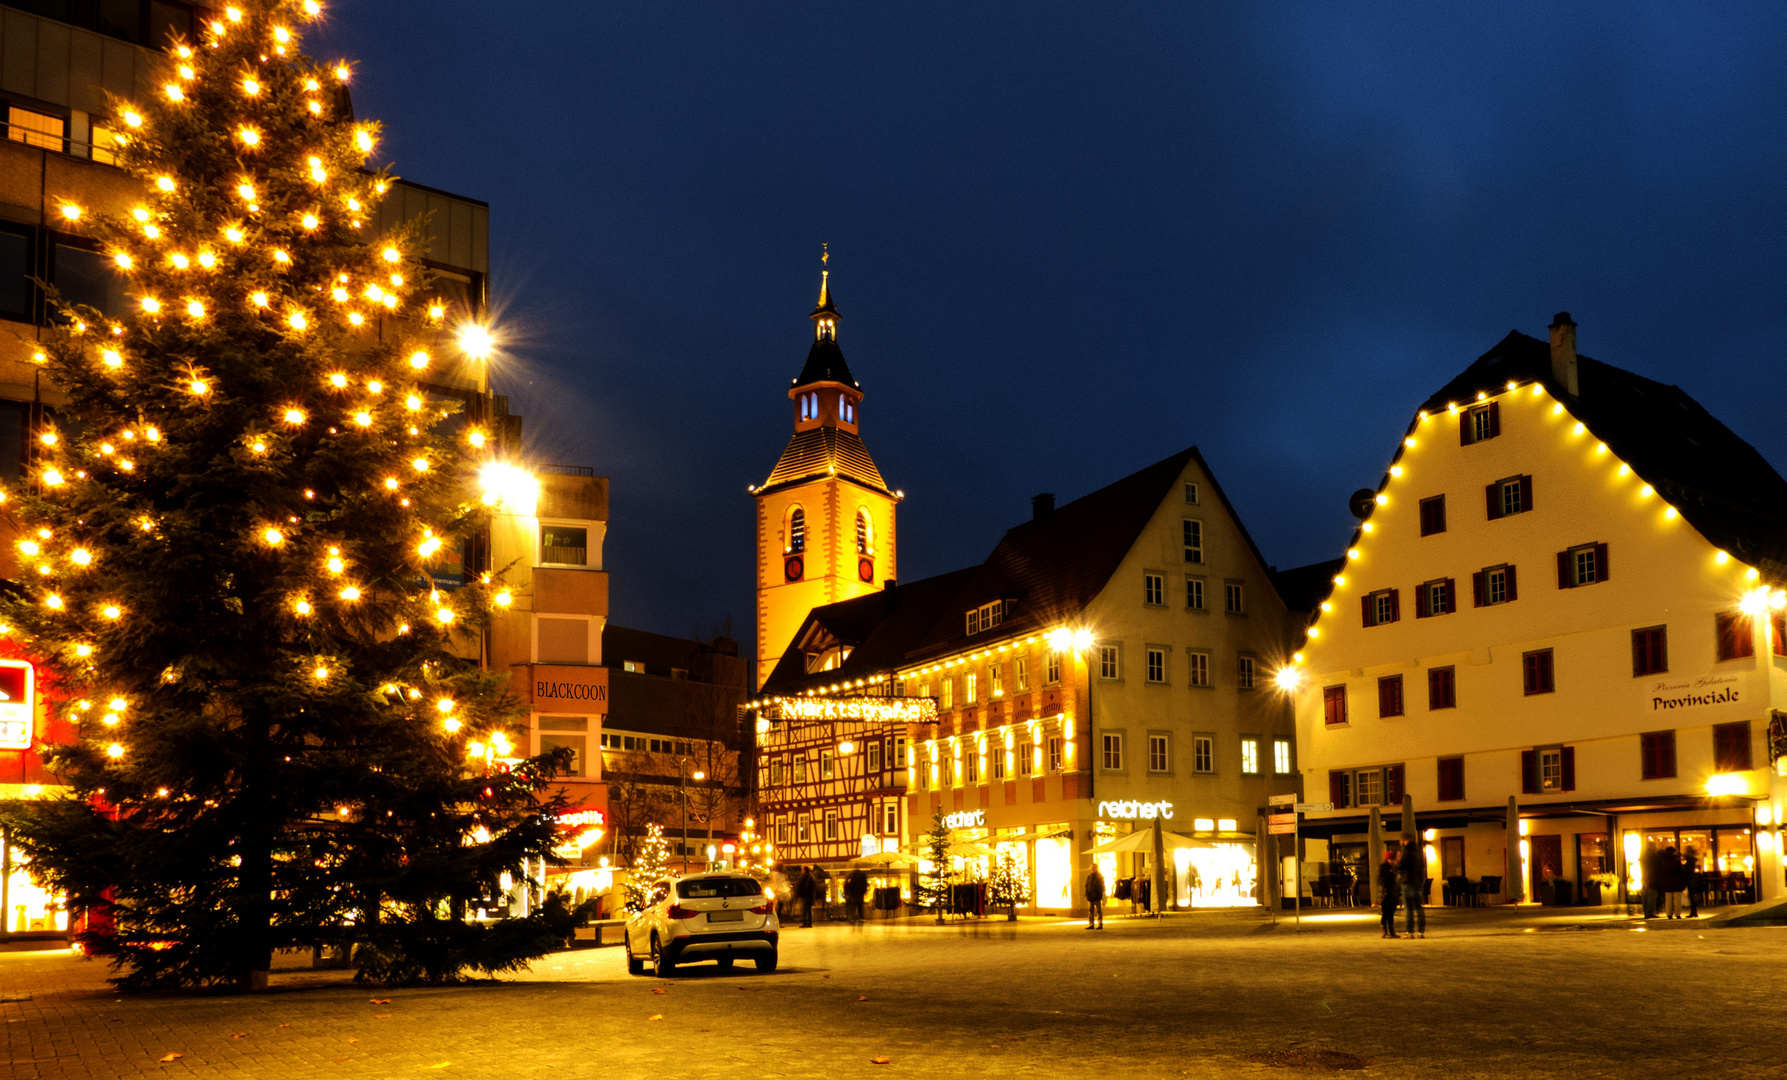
{"type": "Point", "coordinates": [1008, 885]}
{"type": "Point", "coordinates": [652, 863]}
{"type": "Point", "coordinates": [934, 884]}
{"type": "Point", "coordinates": [225, 556]}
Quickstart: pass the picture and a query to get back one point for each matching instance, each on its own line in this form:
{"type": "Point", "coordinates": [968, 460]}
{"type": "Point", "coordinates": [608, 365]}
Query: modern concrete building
{"type": "Point", "coordinates": [1566, 592]}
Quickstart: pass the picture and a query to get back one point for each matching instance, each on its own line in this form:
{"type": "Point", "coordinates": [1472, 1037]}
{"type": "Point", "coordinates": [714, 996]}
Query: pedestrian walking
{"type": "Point", "coordinates": [1411, 870]}
{"type": "Point", "coordinates": [1650, 868]}
{"type": "Point", "coordinates": [1673, 883]}
{"type": "Point", "coordinates": [1095, 899]}
{"type": "Point", "coordinates": [1691, 867]}
{"type": "Point", "coordinates": [1387, 888]}
{"type": "Point", "coordinates": [856, 886]}
{"type": "Point", "coordinates": [779, 888]}
{"type": "Point", "coordinates": [805, 889]}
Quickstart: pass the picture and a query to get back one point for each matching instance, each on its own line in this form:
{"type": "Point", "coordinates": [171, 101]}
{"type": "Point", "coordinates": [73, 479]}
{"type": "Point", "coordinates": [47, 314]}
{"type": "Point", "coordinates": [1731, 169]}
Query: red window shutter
{"type": "Point", "coordinates": [1510, 573]}
{"type": "Point", "coordinates": [1464, 427]}
{"type": "Point", "coordinates": [1667, 755]}
{"type": "Point", "coordinates": [1492, 498]}
{"type": "Point", "coordinates": [1640, 653]}
{"type": "Point", "coordinates": [1393, 785]}
{"type": "Point", "coordinates": [1421, 611]}
{"type": "Point", "coordinates": [1477, 589]}
{"type": "Point", "coordinates": [1395, 605]}
{"type": "Point", "coordinates": [1600, 562]}
{"type": "Point", "coordinates": [1563, 569]}
{"type": "Point", "coordinates": [1569, 764]}
{"type": "Point", "coordinates": [1337, 789]}
{"type": "Point", "coordinates": [1495, 419]}
{"type": "Point", "coordinates": [1526, 493]}
{"type": "Point", "coordinates": [1529, 772]}
{"type": "Point", "coordinates": [1365, 605]}
{"type": "Point", "coordinates": [1451, 596]}
{"type": "Point", "coordinates": [1779, 622]}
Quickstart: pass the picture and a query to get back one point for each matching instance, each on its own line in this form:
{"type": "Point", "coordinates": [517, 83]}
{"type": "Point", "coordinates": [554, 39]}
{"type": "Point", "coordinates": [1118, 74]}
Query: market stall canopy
{"type": "Point", "coordinates": [1143, 840]}
{"type": "Point", "coordinates": [888, 859]}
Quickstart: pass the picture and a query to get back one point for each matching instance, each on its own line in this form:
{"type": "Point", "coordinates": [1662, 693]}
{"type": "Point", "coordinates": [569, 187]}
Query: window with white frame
{"type": "Point", "coordinates": [997, 763]}
{"type": "Point", "coordinates": [949, 693]}
{"type": "Point", "coordinates": [874, 752]}
{"type": "Point", "coordinates": [831, 824]}
{"type": "Point", "coordinates": [803, 829]}
{"type": "Point", "coordinates": [826, 768]}
{"type": "Point", "coordinates": [800, 768]}
{"type": "Point", "coordinates": [1154, 589]}
{"type": "Point", "coordinates": [1194, 593]}
{"type": "Point", "coordinates": [971, 768]}
{"type": "Point", "coordinates": [1244, 672]}
{"type": "Point", "coordinates": [1203, 753]}
{"type": "Point", "coordinates": [996, 680]}
{"type": "Point", "coordinates": [775, 772]}
{"type": "Point", "coordinates": [970, 688]}
{"type": "Point", "coordinates": [1054, 749]}
{"type": "Point", "coordinates": [1110, 662]}
{"type": "Point", "coordinates": [1193, 535]}
{"type": "Point", "coordinates": [1200, 668]}
{"type": "Point", "coordinates": [1159, 757]}
{"type": "Point", "coordinates": [564, 545]}
{"type": "Point", "coordinates": [1250, 756]}
{"type": "Point", "coordinates": [890, 818]}
{"type": "Point", "coordinates": [782, 828]}
{"type": "Point", "coordinates": [1052, 669]}
{"type": "Point", "coordinates": [1281, 757]}
{"type": "Point", "coordinates": [1191, 494]}
{"type": "Point", "coordinates": [1551, 769]}
{"type": "Point", "coordinates": [1020, 673]}
{"type": "Point", "coordinates": [986, 616]}
{"type": "Point", "coordinates": [1157, 665]}
{"type": "Point", "coordinates": [1232, 599]}
{"type": "Point", "coordinates": [1112, 760]}
{"type": "Point", "coordinates": [1026, 757]}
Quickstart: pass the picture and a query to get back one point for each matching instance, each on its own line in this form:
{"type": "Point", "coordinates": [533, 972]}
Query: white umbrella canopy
{"type": "Point", "coordinates": [968, 849]}
{"type": "Point", "coordinates": [888, 859]}
{"type": "Point", "coordinates": [1143, 840]}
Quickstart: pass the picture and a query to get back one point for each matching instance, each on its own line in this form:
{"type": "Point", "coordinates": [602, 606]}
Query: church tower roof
{"type": "Point", "coordinates": [825, 361]}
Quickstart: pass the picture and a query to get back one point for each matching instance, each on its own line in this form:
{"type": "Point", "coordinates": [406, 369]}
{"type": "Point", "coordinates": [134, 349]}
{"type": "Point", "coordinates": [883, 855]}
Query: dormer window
{"type": "Point", "coordinates": [986, 616]}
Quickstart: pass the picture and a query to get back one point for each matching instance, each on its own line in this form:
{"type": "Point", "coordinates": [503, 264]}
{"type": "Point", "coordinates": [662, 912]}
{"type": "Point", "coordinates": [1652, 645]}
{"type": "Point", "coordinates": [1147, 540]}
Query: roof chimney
{"type": "Point", "coordinates": [1563, 353]}
{"type": "Point", "coordinates": [1041, 506]}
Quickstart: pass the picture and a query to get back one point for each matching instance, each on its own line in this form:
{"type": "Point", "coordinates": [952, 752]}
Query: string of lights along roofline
{"type": "Point", "coordinates": [254, 263]}
{"type": "Point", "coordinates": [1755, 597]}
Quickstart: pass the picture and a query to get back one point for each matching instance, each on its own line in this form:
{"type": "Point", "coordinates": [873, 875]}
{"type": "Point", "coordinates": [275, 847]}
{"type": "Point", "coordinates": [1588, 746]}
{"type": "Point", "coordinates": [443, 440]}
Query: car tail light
{"type": "Point", "coordinates": [677, 911]}
{"type": "Point", "coordinates": [763, 910]}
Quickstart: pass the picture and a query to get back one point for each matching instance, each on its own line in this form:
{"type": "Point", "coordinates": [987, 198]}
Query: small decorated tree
{"type": "Point", "coordinates": [651, 863]}
{"type": "Point", "coordinates": [934, 884]}
{"type": "Point", "coordinates": [1008, 886]}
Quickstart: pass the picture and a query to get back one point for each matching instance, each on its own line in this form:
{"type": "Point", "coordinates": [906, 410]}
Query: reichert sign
{"type": "Point", "coordinates": [565, 688]}
{"type": "Point", "coordinates": [1666, 695]}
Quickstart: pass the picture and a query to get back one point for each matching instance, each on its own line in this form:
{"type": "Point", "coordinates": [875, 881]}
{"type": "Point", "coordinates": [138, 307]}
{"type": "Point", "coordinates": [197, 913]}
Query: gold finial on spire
{"type": "Point", "coordinates": [824, 277]}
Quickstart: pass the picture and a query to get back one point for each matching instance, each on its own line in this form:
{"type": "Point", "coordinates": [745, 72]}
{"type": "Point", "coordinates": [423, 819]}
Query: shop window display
{"type": "Point", "coordinates": [1217, 876]}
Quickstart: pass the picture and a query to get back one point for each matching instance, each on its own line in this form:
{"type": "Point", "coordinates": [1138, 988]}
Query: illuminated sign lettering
{"type": "Point", "coordinates": [1135, 811]}
{"type": "Point", "coordinates": [17, 704]}
{"type": "Point", "coordinates": [915, 710]}
{"type": "Point", "coordinates": [965, 819]}
{"type": "Point", "coordinates": [583, 817]}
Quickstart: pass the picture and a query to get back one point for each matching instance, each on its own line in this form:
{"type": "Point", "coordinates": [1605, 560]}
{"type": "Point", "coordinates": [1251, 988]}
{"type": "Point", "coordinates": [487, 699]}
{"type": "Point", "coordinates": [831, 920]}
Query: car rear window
{"type": "Point", "coordinates": [714, 888]}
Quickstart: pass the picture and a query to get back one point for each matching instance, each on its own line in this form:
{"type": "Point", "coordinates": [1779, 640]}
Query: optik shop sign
{"type": "Point", "coordinates": [1669, 695]}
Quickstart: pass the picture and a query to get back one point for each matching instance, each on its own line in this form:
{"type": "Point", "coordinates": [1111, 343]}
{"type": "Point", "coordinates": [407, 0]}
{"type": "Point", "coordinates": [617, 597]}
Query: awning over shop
{"type": "Point", "coordinates": [1143, 840]}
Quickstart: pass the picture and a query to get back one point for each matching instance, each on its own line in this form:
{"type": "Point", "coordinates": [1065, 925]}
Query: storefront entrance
{"type": "Point", "coordinates": [1546, 864]}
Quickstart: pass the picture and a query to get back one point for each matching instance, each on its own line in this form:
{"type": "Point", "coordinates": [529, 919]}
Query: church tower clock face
{"type": "Point", "coordinates": [825, 517]}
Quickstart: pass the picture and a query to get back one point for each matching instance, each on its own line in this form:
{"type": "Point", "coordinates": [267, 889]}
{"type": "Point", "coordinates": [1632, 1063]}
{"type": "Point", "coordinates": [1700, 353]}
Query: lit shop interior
{"type": "Point", "coordinates": [28, 906]}
{"type": "Point", "coordinates": [1210, 865]}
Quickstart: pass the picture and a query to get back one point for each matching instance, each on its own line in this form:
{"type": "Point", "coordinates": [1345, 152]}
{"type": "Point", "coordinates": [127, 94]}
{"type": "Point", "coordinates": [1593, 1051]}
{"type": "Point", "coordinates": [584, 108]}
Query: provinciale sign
{"type": "Point", "coordinates": [1667, 696]}
{"type": "Point", "coordinates": [883, 710]}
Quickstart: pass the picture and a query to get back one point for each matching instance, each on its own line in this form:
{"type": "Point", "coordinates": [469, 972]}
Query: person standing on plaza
{"type": "Point", "coordinates": [1411, 870]}
{"type": "Point", "coordinates": [856, 887]}
{"type": "Point", "coordinates": [805, 889]}
{"type": "Point", "coordinates": [1673, 882]}
{"type": "Point", "coordinates": [1095, 899]}
{"type": "Point", "coordinates": [779, 889]}
{"type": "Point", "coordinates": [1691, 871]}
{"type": "Point", "coordinates": [1650, 868]}
{"type": "Point", "coordinates": [1387, 887]}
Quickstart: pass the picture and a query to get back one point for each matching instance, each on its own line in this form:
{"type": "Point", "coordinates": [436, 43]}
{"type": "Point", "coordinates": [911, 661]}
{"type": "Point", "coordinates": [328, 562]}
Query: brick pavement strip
{"type": "Point", "coordinates": [1198, 996]}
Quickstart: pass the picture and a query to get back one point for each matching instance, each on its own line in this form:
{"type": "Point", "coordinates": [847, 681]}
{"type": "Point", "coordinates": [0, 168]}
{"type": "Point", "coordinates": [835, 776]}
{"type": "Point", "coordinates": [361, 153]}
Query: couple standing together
{"type": "Point", "coordinates": [1404, 873]}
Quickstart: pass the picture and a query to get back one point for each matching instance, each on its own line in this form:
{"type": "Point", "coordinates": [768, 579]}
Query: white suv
{"type": "Point", "coordinates": [718, 916]}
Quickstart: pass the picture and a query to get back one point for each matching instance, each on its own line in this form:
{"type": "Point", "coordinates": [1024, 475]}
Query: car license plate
{"type": "Point", "coordinates": [725, 916]}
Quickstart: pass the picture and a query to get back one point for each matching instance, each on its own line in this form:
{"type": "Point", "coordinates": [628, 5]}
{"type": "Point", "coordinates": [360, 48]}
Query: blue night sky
{"type": "Point", "coordinates": [1069, 240]}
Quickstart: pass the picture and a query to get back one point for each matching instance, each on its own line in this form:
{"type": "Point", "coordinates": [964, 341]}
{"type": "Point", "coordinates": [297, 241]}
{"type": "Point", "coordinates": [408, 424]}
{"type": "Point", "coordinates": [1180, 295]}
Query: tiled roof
{"type": "Point", "coordinates": [825, 451]}
{"type": "Point", "coordinates": [881, 628]}
{"type": "Point", "coordinates": [1717, 481]}
{"type": "Point", "coordinates": [1303, 587]}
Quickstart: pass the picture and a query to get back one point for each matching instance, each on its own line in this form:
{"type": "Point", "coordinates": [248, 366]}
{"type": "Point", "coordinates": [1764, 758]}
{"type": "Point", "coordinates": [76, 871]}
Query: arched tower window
{"type": "Point", "coordinates": [865, 533]}
{"type": "Point", "coordinates": [846, 410]}
{"type": "Point", "coordinates": [797, 531]}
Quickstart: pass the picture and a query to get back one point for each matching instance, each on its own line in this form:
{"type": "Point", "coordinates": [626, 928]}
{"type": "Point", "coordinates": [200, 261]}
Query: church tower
{"type": "Point", "coordinates": [825, 518]}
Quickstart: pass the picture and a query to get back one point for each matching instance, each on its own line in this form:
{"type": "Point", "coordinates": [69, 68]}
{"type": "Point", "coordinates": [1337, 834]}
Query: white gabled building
{"type": "Point", "coordinates": [1566, 591]}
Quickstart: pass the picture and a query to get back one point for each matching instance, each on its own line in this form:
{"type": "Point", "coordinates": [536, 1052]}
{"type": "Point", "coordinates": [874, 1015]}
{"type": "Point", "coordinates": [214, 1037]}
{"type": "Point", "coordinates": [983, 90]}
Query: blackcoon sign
{"type": "Point", "coordinates": [565, 687]}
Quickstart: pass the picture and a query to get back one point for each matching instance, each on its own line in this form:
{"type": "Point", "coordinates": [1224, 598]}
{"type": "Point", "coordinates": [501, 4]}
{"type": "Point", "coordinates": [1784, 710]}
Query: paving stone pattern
{"type": "Point", "coordinates": [1206, 995]}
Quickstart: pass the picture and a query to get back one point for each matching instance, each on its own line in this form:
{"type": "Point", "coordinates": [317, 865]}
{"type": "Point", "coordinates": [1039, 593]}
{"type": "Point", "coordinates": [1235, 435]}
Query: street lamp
{"type": "Point", "coordinates": [682, 783]}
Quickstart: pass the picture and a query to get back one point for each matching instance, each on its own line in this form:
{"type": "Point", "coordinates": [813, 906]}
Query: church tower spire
{"type": "Point", "coordinates": [825, 517]}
